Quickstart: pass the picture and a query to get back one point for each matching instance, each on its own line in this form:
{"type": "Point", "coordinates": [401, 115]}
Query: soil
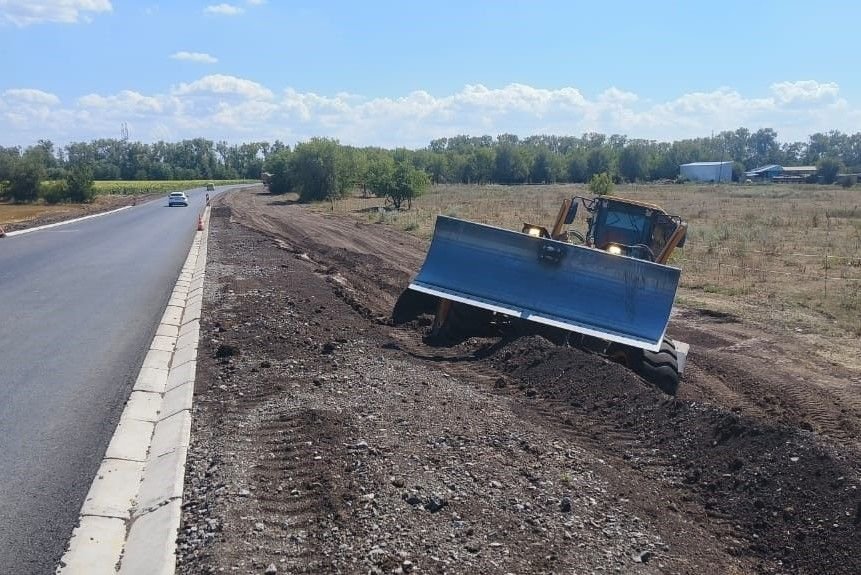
{"type": "Point", "coordinates": [65, 212]}
{"type": "Point", "coordinates": [327, 440]}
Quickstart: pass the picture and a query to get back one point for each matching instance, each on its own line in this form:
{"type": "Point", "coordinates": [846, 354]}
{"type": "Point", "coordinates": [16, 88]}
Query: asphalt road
{"type": "Point", "coordinates": [79, 305]}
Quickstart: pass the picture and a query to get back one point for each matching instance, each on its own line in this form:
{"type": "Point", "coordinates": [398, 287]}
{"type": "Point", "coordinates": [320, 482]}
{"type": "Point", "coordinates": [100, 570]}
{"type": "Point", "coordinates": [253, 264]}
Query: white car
{"type": "Point", "coordinates": [177, 199]}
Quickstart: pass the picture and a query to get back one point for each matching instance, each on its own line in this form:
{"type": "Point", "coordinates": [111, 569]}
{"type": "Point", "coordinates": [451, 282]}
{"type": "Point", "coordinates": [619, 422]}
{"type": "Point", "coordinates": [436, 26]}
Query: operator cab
{"type": "Point", "coordinates": [619, 226]}
{"type": "Point", "coordinates": [630, 228]}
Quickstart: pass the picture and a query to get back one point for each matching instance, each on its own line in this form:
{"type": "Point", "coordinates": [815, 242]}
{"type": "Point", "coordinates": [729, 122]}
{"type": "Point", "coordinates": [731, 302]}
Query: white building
{"type": "Point", "coordinates": [707, 171]}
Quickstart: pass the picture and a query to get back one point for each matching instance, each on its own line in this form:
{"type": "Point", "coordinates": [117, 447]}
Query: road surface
{"type": "Point", "coordinates": [79, 305]}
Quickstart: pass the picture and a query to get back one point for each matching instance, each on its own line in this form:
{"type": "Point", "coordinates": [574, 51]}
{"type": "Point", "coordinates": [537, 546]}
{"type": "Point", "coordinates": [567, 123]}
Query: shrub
{"type": "Point", "coordinates": [79, 184]}
{"type": "Point", "coordinates": [24, 181]}
{"type": "Point", "coordinates": [827, 170]}
{"type": "Point", "coordinates": [54, 192]}
{"type": "Point", "coordinates": [601, 184]}
{"type": "Point", "coordinates": [848, 181]}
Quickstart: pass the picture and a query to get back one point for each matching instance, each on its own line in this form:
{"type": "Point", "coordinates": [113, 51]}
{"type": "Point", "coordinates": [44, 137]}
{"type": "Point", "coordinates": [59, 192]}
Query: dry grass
{"type": "Point", "coordinates": [16, 213]}
{"type": "Point", "coordinates": [789, 255]}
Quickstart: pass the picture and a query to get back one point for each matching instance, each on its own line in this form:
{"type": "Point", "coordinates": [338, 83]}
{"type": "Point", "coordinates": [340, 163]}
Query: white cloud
{"type": "Point", "coordinates": [223, 84]}
{"type": "Point", "coordinates": [30, 96]}
{"type": "Point", "coordinates": [227, 107]}
{"type": "Point", "coordinates": [223, 9]}
{"type": "Point", "coordinates": [616, 96]}
{"type": "Point", "coordinates": [200, 57]}
{"type": "Point", "coordinates": [256, 2]}
{"type": "Point", "coordinates": [126, 102]}
{"type": "Point", "coordinates": [804, 91]}
{"type": "Point", "coordinates": [26, 12]}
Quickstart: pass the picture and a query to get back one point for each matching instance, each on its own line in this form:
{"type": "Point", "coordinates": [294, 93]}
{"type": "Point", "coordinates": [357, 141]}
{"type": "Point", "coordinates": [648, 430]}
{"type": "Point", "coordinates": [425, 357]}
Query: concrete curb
{"type": "Point", "coordinates": [130, 518]}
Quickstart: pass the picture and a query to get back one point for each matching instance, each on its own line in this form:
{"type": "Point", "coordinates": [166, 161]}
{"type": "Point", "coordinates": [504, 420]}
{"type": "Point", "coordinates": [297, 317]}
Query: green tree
{"type": "Point", "coordinates": [408, 183]}
{"type": "Point", "coordinates": [9, 157]}
{"type": "Point", "coordinates": [314, 169]}
{"type": "Point", "coordinates": [601, 184]}
{"type": "Point", "coordinates": [380, 175]}
{"type": "Point", "coordinates": [79, 184]}
{"type": "Point", "coordinates": [633, 162]}
{"type": "Point", "coordinates": [278, 165]}
{"type": "Point", "coordinates": [483, 160]}
{"type": "Point", "coordinates": [599, 161]}
{"type": "Point", "coordinates": [576, 167]}
{"type": "Point", "coordinates": [827, 170]}
{"type": "Point", "coordinates": [398, 181]}
{"type": "Point", "coordinates": [510, 165]}
{"type": "Point", "coordinates": [25, 179]}
{"type": "Point", "coordinates": [764, 147]}
{"type": "Point", "coordinates": [43, 154]}
{"type": "Point", "coordinates": [439, 167]}
{"type": "Point", "coordinates": [546, 167]}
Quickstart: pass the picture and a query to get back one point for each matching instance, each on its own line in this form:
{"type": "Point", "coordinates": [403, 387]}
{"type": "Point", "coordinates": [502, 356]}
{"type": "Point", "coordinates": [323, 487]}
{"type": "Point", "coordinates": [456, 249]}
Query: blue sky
{"type": "Point", "coordinates": [401, 73]}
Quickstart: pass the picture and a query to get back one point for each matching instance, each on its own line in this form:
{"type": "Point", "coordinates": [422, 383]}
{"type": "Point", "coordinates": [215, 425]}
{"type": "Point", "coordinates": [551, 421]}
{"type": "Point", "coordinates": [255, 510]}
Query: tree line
{"type": "Point", "coordinates": [321, 167]}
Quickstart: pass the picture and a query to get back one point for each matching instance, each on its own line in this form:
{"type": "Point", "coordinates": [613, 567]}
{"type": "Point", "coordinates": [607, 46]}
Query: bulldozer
{"type": "Point", "coordinates": [608, 290]}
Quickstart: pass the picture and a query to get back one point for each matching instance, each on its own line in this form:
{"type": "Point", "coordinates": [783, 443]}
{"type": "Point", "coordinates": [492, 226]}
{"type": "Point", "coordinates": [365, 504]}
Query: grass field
{"type": "Point", "coordinates": [130, 187]}
{"type": "Point", "coordinates": [782, 253]}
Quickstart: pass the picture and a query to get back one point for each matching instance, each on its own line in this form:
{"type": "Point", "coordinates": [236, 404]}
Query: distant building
{"type": "Point", "coordinates": [707, 171]}
{"type": "Point", "coordinates": [780, 174]}
{"type": "Point", "coordinates": [763, 173]}
{"type": "Point", "coordinates": [795, 175]}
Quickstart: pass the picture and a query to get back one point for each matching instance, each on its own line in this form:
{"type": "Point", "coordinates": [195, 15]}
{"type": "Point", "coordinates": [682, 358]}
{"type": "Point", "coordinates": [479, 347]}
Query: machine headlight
{"type": "Point", "coordinates": [533, 230]}
{"type": "Point", "coordinates": [614, 249]}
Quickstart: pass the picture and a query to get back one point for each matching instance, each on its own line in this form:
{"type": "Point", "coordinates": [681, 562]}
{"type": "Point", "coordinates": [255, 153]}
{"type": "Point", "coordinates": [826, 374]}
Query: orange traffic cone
{"type": "Point", "coordinates": [200, 223]}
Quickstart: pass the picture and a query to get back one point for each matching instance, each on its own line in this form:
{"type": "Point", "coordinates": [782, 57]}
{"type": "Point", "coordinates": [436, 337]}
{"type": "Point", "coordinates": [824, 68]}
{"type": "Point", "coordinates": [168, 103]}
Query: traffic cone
{"type": "Point", "coordinates": [200, 223]}
{"type": "Point", "coordinates": [207, 199]}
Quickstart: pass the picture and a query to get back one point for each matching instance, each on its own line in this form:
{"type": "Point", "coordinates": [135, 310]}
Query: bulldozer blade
{"type": "Point", "coordinates": [577, 288]}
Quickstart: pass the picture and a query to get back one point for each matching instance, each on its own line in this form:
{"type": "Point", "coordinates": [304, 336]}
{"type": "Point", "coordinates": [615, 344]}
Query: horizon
{"type": "Point", "coordinates": [390, 74]}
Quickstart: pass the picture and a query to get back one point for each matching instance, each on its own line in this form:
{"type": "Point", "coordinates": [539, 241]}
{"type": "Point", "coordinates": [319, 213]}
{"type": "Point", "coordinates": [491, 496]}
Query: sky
{"type": "Point", "coordinates": [401, 73]}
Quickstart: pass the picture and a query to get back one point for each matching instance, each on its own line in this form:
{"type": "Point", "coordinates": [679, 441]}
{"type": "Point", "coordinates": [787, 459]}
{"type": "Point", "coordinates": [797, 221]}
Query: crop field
{"type": "Point", "coordinates": [785, 254]}
{"type": "Point", "coordinates": [132, 187]}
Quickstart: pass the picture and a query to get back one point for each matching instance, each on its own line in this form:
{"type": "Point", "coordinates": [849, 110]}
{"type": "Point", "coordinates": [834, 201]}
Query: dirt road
{"type": "Point", "coordinates": [326, 440]}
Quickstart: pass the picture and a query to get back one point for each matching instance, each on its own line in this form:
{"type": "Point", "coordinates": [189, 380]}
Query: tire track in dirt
{"type": "Point", "coordinates": [739, 367]}
{"type": "Point", "coordinates": [632, 422]}
{"type": "Point", "coordinates": [286, 499]}
{"type": "Point", "coordinates": [755, 373]}
{"type": "Point", "coordinates": [431, 436]}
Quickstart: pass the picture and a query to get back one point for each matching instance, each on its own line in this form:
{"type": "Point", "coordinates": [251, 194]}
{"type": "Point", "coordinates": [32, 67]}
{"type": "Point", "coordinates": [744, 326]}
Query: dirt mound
{"type": "Point", "coordinates": [787, 497]}
{"type": "Point", "coordinates": [729, 475]}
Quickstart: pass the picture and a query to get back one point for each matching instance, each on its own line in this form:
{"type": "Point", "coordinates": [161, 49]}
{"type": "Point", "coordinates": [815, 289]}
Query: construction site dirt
{"type": "Point", "coordinates": [327, 440]}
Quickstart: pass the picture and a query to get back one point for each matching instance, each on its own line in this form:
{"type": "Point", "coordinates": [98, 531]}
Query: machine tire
{"type": "Point", "coordinates": [661, 368]}
{"type": "Point", "coordinates": [411, 304]}
{"type": "Point", "coordinates": [464, 321]}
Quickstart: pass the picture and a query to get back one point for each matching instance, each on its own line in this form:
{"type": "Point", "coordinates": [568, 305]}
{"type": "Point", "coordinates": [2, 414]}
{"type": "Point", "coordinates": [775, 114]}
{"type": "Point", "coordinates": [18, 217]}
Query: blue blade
{"type": "Point", "coordinates": [578, 288]}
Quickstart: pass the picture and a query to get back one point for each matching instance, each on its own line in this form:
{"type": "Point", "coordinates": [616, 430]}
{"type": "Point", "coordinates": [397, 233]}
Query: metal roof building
{"type": "Point", "coordinates": [796, 174]}
{"type": "Point", "coordinates": [707, 171]}
{"type": "Point", "coordinates": [764, 173]}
